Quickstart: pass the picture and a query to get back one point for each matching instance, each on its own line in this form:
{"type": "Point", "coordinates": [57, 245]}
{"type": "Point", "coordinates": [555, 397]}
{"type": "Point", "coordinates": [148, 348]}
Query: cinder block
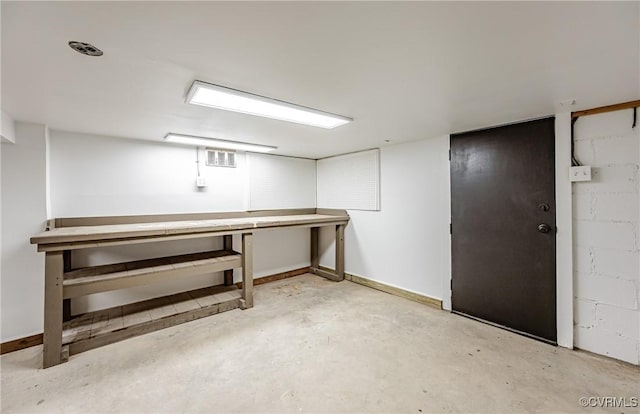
{"type": "Point", "coordinates": [606, 290]}
{"type": "Point", "coordinates": [607, 343]}
{"type": "Point", "coordinates": [610, 179]}
{"type": "Point", "coordinates": [616, 150]}
{"type": "Point", "coordinates": [617, 123]}
{"type": "Point", "coordinates": [584, 152]}
{"type": "Point", "coordinates": [583, 207]}
{"type": "Point", "coordinates": [617, 263]}
{"type": "Point", "coordinates": [625, 322]}
{"type": "Point", "coordinates": [584, 313]}
{"type": "Point", "coordinates": [617, 207]}
{"type": "Point", "coordinates": [583, 260]}
{"type": "Point", "coordinates": [605, 234]}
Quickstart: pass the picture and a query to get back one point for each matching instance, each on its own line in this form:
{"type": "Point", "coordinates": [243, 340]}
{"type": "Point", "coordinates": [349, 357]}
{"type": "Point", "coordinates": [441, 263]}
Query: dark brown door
{"type": "Point", "coordinates": [503, 227]}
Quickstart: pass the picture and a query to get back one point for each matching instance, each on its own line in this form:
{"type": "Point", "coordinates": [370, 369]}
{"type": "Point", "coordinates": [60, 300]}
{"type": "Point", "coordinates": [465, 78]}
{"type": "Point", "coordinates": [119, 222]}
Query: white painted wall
{"type": "Point", "coordinates": [266, 178]}
{"type": "Point", "coordinates": [1, 146]}
{"type": "Point", "coordinates": [23, 214]}
{"type": "Point", "coordinates": [405, 244]}
{"type": "Point", "coordinates": [1, 231]}
{"type": "Point", "coordinates": [94, 176]}
{"type": "Point", "coordinates": [607, 237]}
{"type": "Point", "coordinates": [7, 128]}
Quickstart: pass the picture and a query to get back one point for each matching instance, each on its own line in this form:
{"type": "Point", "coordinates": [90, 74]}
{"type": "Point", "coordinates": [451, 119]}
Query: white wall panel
{"type": "Point", "coordinates": [350, 181]}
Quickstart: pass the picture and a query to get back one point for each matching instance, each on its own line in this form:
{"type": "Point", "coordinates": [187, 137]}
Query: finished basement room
{"type": "Point", "coordinates": [324, 207]}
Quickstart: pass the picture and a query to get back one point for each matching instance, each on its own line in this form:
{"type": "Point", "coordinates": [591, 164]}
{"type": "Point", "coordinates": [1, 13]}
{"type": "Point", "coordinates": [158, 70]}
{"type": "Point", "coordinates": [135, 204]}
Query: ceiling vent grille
{"type": "Point", "coordinates": [85, 48]}
{"type": "Point", "coordinates": [221, 158]}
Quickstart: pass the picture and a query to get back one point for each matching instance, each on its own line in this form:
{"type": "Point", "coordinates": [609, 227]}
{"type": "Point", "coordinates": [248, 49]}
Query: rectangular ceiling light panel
{"type": "Point", "coordinates": [214, 96]}
{"type": "Point", "coordinates": [217, 143]}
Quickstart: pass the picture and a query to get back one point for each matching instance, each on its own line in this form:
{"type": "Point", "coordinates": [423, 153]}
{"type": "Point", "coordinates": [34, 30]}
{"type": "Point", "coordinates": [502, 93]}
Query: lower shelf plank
{"type": "Point", "coordinates": [89, 280]}
{"type": "Point", "coordinates": [95, 329]}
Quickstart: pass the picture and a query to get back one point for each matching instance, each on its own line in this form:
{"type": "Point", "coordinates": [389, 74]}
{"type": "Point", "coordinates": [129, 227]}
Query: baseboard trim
{"type": "Point", "coordinates": [33, 340]}
{"type": "Point", "coordinates": [20, 343]}
{"type": "Point", "coordinates": [592, 354]}
{"type": "Point", "coordinates": [392, 290]}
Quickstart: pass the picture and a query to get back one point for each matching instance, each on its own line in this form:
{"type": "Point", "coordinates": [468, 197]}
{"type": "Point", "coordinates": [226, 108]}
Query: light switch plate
{"type": "Point", "coordinates": [581, 173]}
{"type": "Point", "coordinates": [201, 182]}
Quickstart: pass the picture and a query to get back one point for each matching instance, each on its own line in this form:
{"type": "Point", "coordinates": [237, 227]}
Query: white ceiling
{"type": "Point", "coordinates": [403, 71]}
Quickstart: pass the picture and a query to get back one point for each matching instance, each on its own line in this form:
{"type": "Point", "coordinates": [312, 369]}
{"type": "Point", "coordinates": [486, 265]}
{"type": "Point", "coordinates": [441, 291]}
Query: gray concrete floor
{"type": "Point", "coordinates": [311, 345]}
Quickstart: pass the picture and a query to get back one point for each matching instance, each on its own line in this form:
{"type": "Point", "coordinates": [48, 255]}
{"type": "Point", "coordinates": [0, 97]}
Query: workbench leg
{"type": "Point", "coordinates": [247, 270]}
{"type": "Point", "coordinates": [315, 243]}
{"type": "Point", "coordinates": [228, 246]}
{"type": "Point", "coordinates": [340, 251]}
{"type": "Point", "coordinates": [66, 303]}
{"type": "Point", "coordinates": [53, 277]}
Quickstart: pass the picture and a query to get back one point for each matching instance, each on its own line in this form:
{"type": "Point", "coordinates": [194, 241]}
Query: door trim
{"type": "Point", "coordinates": [564, 232]}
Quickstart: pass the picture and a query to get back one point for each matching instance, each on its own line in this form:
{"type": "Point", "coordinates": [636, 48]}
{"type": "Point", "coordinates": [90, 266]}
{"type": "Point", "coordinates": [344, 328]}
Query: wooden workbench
{"type": "Point", "coordinates": [65, 335]}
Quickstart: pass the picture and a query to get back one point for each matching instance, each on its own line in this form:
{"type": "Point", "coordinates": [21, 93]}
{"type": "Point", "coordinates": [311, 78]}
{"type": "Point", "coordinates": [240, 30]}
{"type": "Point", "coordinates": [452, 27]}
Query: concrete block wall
{"type": "Point", "coordinates": [606, 216]}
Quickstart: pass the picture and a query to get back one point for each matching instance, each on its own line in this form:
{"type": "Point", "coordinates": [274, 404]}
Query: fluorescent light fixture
{"type": "Point", "coordinates": [217, 143]}
{"type": "Point", "coordinates": [214, 96]}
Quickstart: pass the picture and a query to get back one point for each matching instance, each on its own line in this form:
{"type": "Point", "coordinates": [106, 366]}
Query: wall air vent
{"type": "Point", "coordinates": [221, 158]}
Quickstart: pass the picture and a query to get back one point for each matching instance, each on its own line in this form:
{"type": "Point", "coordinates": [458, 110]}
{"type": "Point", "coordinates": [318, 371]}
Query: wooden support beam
{"type": "Point", "coordinates": [228, 246]}
{"type": "Point", "coordinates": [247, 270]}
{"type": "Point", "coordinates": [340, 251]}
{"type": "Point", "coordinates": [608, 108]}
{"type": "Point", "coordinates": [315, 268]}
{"type": "Point", "coordinates": [315, 243]}
{"type": "Point", "coordinates": [53, 279]}
{"type": "Point", "coordinates": [326, 274]}
{"type": "Point", "coordinates": [66, 303]}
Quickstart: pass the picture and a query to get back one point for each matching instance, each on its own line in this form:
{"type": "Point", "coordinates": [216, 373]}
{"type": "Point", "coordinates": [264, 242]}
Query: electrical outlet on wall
{"type": "Point", "coordinates": [201, 182]}
{"type": "Point", "coordinates": [581, 173]}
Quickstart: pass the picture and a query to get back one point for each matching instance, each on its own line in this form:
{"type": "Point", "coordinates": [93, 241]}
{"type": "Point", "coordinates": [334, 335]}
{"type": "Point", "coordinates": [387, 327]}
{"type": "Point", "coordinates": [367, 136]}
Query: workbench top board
{"type": "Point", "coordinates": [140, 230]}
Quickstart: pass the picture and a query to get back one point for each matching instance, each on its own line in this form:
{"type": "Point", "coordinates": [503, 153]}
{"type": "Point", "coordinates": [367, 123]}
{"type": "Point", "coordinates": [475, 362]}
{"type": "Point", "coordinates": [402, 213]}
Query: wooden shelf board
{"type": "Point", "coordinates": [103, 278]}
{"type": "Point", "coordinates": [99, 328]}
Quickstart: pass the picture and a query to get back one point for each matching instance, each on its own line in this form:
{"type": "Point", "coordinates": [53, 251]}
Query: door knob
{"type": "Point", "coordinates": [544, 228]}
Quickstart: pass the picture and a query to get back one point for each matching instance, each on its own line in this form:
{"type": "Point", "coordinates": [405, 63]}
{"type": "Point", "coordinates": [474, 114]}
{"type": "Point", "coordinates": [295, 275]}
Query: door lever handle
{"type": "Point", "coordinates": [544, 228]}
